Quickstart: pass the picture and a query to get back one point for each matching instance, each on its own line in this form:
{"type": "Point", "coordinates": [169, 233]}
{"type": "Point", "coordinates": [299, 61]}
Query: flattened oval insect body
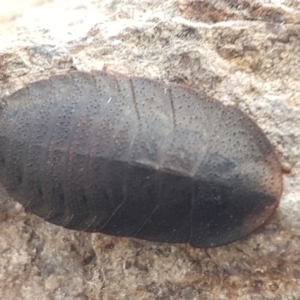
{"type": "Point", "coordinates": [134, 157]}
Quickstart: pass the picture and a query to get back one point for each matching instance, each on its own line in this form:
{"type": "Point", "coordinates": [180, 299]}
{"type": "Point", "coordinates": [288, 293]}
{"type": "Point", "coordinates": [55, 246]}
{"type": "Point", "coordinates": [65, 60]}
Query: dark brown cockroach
{"type": "Point", "coordinates": [134, 157]}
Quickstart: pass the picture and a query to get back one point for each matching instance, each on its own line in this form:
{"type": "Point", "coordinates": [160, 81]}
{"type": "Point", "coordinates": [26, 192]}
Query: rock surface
{"type": "Point", "coordinates": [242, 52]}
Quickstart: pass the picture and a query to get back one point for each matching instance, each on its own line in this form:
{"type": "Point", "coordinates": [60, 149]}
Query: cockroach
{"type": "Point", "coordinates": [134, 157]}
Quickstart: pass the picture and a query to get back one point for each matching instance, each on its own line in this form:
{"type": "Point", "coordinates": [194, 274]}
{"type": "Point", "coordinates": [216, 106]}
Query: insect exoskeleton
{"type": "Point", "coordinates": [134, 157]}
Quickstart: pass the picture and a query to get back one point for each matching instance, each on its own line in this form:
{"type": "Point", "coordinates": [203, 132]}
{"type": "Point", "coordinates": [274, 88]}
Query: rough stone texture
{"type": "Point", "coordinates": [242, 52]}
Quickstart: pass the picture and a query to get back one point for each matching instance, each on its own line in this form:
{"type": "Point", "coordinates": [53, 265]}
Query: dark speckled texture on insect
{"type": "Point", "coordinates": [134, 157]}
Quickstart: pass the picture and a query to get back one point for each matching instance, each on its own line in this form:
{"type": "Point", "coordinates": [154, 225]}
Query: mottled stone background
{"type": "Point", "coordinates": [242, 52]}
